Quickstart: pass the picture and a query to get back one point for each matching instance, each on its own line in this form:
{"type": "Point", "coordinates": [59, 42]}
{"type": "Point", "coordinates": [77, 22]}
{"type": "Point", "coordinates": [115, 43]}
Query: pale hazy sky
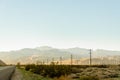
{"type": "Point", "coordinates": [59, 23]}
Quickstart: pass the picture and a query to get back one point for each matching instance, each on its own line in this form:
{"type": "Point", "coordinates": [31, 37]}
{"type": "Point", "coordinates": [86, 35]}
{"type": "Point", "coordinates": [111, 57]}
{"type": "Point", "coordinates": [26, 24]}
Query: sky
{"type": "Point", "coordinates": [92, 24]}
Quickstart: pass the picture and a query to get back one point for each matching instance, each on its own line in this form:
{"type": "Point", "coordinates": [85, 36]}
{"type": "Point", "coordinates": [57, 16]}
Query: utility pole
{"type": "Point", "coordinates": [77, 62]}
{"type": "Point", "coordinates": [43, 62]}
{"type": "Point", "coordinates": [90, 57]}
{"type": "Point", "coordinates": [47, 61]}
{"type": "Point", "coordinates": [60, 60]}
{"type": "Point", "coordinates": [53, 60]}
{"type": "Point", "coordinates": [71, 59]}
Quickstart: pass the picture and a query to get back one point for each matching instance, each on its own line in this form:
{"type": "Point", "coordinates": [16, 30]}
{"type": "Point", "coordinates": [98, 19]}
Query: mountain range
{"type": "Point", "coordinates": [2, 63]}
{"type": "Point", "coordinates": [45, 53]}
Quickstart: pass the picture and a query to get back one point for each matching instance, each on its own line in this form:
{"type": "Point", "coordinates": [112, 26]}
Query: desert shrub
{"type": "Point", "coordinates": [101, 66]}
{"type": "Point", "coordinates": [29, 66]}
{"type": "Point", "coordinates": [77, 70]}
{"type": "Point", "coordinates": [56, 70]}
{"type": "Point", "coordinates": [37, 69]}
{"type": "Point", "coordinates": [88, 78]}
{"type": "Point", "coordinates": [49, 70]}
{"type": "Point", "coordinates": [86, 66]}
{"type": "Point", "coordinates": [80, 66]}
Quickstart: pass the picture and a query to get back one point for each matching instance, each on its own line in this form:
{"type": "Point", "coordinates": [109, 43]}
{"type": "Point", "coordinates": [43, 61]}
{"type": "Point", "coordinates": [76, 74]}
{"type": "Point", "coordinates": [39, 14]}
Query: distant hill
{"type": "Point", "coordinates": [2, 63]}
{"type": "Point", "coordinates": [46, 53]}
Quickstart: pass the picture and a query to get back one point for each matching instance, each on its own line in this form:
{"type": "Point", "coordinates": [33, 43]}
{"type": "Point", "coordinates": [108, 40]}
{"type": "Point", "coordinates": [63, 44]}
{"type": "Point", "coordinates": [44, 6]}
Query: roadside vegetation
{"type": "Point", "coordinates": [51, 71]}
{"type": "Point", "coordinates": [71, 72]}
{"type": "Point", "coordinates": [27, 75]}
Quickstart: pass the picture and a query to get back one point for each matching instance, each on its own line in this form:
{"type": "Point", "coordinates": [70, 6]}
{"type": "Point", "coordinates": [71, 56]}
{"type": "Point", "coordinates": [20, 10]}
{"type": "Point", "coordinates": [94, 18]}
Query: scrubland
{"type": "Point", "coordinates": [70, 72]}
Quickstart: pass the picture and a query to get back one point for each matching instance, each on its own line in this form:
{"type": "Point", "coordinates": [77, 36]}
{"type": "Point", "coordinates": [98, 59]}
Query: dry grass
{"type": "Point", "coordinates": [64, 78]}
{"type": "Point", "coordinates": [110, 73]}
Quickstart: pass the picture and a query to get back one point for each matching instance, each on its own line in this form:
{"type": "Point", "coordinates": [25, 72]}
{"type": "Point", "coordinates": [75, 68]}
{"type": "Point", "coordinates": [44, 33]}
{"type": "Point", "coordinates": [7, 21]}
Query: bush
{"type": "Point", "coordinates": [49, 70]}
{"type": "Point", "coordinates": [27, 68]}
{"type": "Point", "coordinates": [88, 78]}
{"type": "Point", "coordinates": [30, 66]}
